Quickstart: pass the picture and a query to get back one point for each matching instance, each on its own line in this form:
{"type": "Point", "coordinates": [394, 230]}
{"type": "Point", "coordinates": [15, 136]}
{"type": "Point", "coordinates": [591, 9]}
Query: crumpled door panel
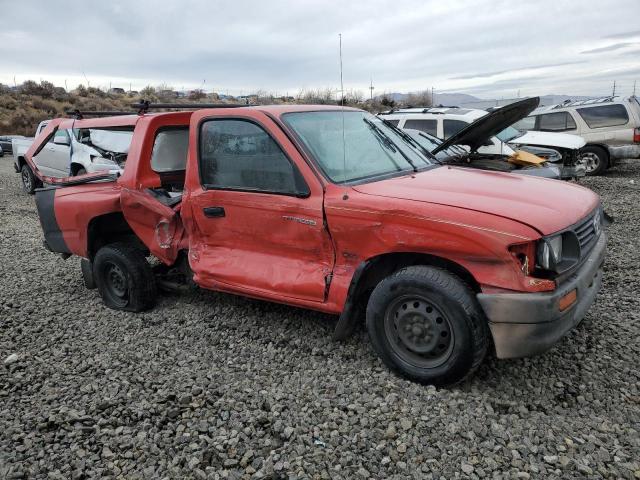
{"type": "Point", "coordinates": [158, 225]}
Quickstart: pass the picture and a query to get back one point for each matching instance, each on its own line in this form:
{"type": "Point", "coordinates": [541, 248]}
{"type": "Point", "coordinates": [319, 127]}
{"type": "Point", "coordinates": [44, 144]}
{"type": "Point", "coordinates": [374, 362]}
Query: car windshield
{"type": "Point", "coordinates": [353, 145]}
{"type": "Point", "coordinates": [508, 134]}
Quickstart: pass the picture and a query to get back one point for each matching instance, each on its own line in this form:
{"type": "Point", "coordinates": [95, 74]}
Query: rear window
{"type": "Point", "coordinates": [428, 126]}
{"type": "Point", "coordinates": [451, 127]}
{"type": "Point", "coordinates": [604, 116]}
{"type": "Point", "coordinates": [556, 122]}
{"type": "Point", "coordinates": [527, 123]}
{"type": "Point", "coordinates": [170, 150]}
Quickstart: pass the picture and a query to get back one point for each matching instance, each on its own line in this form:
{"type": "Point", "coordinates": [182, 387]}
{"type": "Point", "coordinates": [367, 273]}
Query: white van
{"type": "Point", "coordinates": [609, 125]}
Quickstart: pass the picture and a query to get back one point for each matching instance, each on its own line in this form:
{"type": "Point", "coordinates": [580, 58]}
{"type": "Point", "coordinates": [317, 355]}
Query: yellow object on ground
{"type": "Point", "coordinates": [520, 157]}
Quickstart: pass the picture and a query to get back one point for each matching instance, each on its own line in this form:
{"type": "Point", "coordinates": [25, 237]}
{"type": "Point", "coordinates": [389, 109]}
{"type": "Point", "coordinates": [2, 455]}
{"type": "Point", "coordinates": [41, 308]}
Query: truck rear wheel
{"type": "Point", "coordinates": [124, 278]}
{"type": "Point", "coordinates": [427, 325]}
{"type": "Point", "coordinates": [86, 267]}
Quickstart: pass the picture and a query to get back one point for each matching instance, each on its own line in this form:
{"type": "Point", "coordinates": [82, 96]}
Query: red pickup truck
{"type": "Point", "coordinates": [333, 210]}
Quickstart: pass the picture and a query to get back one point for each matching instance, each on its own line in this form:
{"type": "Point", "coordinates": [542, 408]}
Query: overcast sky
{"type": "Point", "coordinates": [490, 49]}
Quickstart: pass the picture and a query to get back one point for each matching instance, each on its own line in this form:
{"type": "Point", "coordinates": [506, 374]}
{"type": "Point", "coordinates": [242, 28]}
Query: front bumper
{"type": "Point", "coordinates": [525, 324]}
{"type": "Point", "coordinates": [568, 172]}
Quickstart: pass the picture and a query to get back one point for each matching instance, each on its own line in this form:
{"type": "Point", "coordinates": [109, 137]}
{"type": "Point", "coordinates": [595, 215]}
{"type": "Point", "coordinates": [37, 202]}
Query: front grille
{"type": "Point", "coordinates": [587, 233]}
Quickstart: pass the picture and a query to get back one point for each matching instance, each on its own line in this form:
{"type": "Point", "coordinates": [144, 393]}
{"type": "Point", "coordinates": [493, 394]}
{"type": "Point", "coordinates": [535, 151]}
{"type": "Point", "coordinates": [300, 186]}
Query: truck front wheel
{"type": "Point", "coordinates": [124, 278]}
{"type": "Point", "coordinates": [427, 325]}
{"type": "Point", "coordinates": [29, 181]}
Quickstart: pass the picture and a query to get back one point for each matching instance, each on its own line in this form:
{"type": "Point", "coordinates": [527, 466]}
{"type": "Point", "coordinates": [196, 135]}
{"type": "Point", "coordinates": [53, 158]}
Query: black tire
{"type": "Point", "coordinates": [86, 267]}
{"type": "Point", "coordinates": [80, 171]}
{"type": "Point", "coordinates": [448, 333]}
{"type": "Point", "coordinates": [29, 181]}
{"type": "Point", "coordinates": [124, 278]}
{"type": "Point", "coordinates": [595, 159]}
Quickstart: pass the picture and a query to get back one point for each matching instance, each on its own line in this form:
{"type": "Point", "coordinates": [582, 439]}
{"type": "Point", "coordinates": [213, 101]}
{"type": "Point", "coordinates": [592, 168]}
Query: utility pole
{"type": "Point", "coordinates": [614, 89]}
{"type": "Point", "coordinates": [371, 88]}
{"type": "Point", "coordinates": [634, 88]}
{"type": "Point", "coordinates": [433, 102]}
{"type": "Point", "coordinates": [65, 85]}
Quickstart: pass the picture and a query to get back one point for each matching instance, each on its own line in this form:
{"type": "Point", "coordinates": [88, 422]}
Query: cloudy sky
{"type": "Point", "coordinates": [490, 49]}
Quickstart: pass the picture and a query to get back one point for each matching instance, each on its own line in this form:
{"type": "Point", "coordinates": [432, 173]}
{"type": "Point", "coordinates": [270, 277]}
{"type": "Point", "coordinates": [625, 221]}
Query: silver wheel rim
{"type": "Point", "coordinates": [591, 161]}
{"type": "Point", "coordinates": [26, 179]}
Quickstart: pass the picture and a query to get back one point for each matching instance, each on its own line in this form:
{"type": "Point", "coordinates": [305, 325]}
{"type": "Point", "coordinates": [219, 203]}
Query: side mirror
{"type": "Point", "coordinates": [61, 140]}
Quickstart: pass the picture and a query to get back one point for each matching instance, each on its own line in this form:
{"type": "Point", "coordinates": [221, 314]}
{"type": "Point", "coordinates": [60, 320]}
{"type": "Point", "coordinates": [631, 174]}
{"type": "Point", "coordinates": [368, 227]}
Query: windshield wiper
{"type": "Point", "coordinates": [389, 142]}
{"type": "Point", "coordinates": [409, 139]}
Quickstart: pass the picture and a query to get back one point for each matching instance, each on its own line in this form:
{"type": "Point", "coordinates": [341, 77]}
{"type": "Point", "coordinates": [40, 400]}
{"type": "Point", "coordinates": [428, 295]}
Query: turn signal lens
{"type": "Point", "coordinates": [568, 300]}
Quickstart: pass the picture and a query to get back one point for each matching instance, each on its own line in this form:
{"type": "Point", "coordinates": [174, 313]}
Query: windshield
{"type": "Point", "coordinates": [364, 148]}
{"type": "Point", "coordinates": [430, 143]}
{"type": "Point", "coordinates": [508, 134]}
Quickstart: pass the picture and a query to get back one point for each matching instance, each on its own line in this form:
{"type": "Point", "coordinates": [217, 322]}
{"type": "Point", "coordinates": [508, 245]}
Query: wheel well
{"type": "Point", "coordinates": [110, 228]}
{"type": "Point", "coordinates": [21, 161]}
{"type": "Point", "coordinates": [374, 270]}
{"type": "Point", "coordinates": [601, 146]}
{"type": "Point", "coordinates": [382, 266]}
{"type": "Point", "coordinates": [75, 167]}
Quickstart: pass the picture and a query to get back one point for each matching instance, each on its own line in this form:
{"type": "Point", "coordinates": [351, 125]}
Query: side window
{"type": "Point", "coordinates": [428, 126]}
{"type": "Point", "coordinates": [556, 122]}
{"type": "Point", "coordinates": [451, 127]}
{"type": "Point", "coordinates": [240, 155]}
{"type": "Point", "coordinates": [527, 123]}
{"type": "Point", "coordinates": [604, 116]}
{"type": "Point", "coordinates": [170, 149]}
{"type": "Point", "coordinates": [61, 137]}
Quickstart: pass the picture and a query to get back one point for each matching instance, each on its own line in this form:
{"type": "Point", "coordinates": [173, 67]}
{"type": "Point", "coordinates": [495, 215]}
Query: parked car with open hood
{"type": "Point", "coordinates": [331, 209]}
{"type": "Point", "coordinates": [610, 126]}
{"type": "Point", "coordinates": [446, 122]}
{"type": "Point", "coordinates": [456, 155]}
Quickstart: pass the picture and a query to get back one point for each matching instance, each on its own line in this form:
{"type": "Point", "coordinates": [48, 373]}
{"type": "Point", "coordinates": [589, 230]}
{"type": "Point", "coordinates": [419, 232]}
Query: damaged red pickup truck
{"type": "Point", "coordinates": [332, 210]}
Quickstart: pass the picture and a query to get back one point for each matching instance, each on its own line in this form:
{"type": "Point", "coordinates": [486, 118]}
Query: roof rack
{"type": "Point", "coordinates": [591, 101]}
{"type": "Point", "coordinates": [144, 106]}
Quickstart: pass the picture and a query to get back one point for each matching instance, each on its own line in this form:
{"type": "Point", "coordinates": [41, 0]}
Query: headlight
{"type": "Point", "coordinates": [558, 253]}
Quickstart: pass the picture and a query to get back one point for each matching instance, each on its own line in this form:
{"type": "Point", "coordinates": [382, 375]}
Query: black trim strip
{"type": "Point", "coordinates": [53, 237]}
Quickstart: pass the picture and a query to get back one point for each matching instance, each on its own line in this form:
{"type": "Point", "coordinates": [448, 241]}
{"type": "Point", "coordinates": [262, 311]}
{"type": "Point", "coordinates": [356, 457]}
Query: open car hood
{"type": "Point", "coordinates": [478, 132]}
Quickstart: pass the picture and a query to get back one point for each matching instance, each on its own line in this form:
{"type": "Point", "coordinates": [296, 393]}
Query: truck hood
{"type": "Point", "coordinates": [544, 205]}
{"type": "Point", "coordinates": [549, 139]}
{"type": "Point", "coordinates": [481, 130]}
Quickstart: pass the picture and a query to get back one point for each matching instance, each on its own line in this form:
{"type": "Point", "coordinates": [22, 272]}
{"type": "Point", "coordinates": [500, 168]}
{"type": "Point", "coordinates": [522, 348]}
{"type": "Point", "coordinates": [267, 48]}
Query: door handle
{"type": "Point", "coordinates": [214, 212]}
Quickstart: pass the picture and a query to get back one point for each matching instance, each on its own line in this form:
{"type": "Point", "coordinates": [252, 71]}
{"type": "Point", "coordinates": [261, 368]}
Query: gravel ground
{"type": "Point", "coordinates": [215, 386]}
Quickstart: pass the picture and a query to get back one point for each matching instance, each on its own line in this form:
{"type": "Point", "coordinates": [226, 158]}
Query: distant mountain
{"type": "Point", "coordinates": [440, 98]}
{"type": "Point", "coordinates": [469, 101]}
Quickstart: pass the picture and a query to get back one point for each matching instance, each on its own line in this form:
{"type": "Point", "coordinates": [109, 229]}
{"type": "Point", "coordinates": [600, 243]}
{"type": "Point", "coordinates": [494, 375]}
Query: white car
{"type": "Point", "coordinates": [610, 126]}
{"type": "Point", "coordinates": [444, 122]}
{"type": "Point", "coordinates": [73, 152]}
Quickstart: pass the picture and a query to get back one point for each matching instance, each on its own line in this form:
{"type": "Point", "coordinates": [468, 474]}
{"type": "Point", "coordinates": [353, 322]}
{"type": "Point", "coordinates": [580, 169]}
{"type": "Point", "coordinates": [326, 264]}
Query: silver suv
{"type": "Point", "coordinates": [609, 125]}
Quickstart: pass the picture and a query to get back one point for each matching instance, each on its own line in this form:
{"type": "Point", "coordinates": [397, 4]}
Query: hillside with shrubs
{"type": "Point", "coordinates": [24, 106]}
